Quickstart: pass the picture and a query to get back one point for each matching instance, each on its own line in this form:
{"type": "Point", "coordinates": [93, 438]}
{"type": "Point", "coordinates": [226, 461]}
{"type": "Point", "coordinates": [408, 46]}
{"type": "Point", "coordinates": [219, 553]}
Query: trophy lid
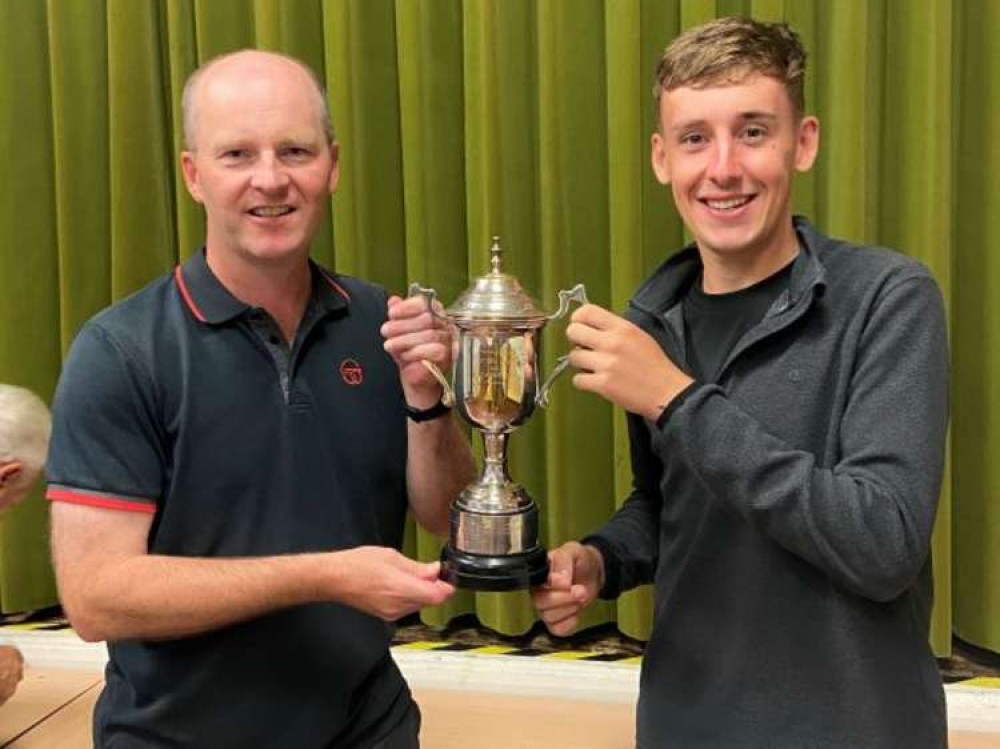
{"type": "Point", "coordinates": [496, 296]}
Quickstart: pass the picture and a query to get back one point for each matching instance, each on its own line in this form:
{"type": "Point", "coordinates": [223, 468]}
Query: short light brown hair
{"type": "Point", "coordinates": [730, 49]}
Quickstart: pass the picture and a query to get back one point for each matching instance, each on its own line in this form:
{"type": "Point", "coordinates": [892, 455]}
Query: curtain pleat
{"type": "Point", "coordinates": [78, 74]}
{"type": "Point", "coordinates": [578, 492]}
{"type": "Point", "coordinates": [916, 144]}
{"type": "Point", "coordinates": [362, 76]}
{"type": "Point", "coordinates": [429, 50]}
{"type": "Point", "coordinates": [460, 120]}
{"type": "Point", "coordinates": [29, 265]}
{"type": "Point", "coordinates": [180, 58]}
{"type": "Point", "coordinates": [142, 239]}
{"type": "Point", "coordinates": [975, 325]}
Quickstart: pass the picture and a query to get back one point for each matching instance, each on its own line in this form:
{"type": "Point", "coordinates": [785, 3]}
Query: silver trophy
{"type": "Point", "coordinates": [493, 542]}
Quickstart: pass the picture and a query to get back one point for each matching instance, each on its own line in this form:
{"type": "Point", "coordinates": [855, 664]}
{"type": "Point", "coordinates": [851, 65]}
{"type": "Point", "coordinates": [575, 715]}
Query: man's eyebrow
{"type": "Point", "coordinates": [228, 143]}
{"type": "Point", "coordinates": [295, 140]}
{"type": "Point", "coordinates": [748, 116]}
{"type": "Point", "coordinates": [686, 125]}
{"type": "Point", "coordinates": [754, 115]}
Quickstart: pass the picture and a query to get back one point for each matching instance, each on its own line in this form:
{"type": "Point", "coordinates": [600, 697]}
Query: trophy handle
{"type": "Point", "coordinates": [577, 294]}
{"type": "Point", "coordinates": [448, 394]}
{"type": "Point", "coordinates": [430, 295]}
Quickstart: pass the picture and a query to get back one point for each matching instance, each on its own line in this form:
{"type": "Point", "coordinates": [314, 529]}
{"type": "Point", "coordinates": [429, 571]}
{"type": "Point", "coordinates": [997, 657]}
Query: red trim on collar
{"type": "Point", "coordinates": [337, 287]}
{"type": "Point", "coordinates": [96, 500]}
{"type": "Point", "coordinates": [182, 286]}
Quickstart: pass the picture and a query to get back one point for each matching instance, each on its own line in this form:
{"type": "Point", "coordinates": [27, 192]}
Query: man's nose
{"type": "Point", "coordinates": [269, 174]}
{"type": "Point", "coordinates": [724, 167]}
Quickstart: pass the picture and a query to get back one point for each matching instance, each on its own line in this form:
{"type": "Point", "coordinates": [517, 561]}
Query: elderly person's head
{"type": "Point", "coordinates": [24, 442]}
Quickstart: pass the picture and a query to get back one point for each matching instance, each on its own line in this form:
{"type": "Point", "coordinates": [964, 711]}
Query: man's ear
{"type": "Point", "coordinates": [659, 159]}
{"type": "Point", "coordinates": [9, 472]}
{"type": "Point", "coordinates": [190, 171]}
{"type": "Point", "coordinates": [807, 143]}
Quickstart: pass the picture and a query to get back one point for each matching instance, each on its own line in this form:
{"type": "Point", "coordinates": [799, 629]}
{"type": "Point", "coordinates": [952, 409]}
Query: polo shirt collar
{"type": "Point", "coordinates": [211, 302]}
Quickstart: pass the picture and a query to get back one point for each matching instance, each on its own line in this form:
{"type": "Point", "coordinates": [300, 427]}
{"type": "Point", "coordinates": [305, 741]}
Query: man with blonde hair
{"type": "Point", "coordinates": [24, 440]}
{"type": "Point", "coordinates": [787, 398]}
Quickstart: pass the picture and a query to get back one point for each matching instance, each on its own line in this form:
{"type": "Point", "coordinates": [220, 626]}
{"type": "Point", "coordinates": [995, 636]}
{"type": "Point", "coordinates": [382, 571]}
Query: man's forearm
{"type": "Point", "coordinates": [165, 597]}
{"type": "Point", "coordinates": [439, 465]}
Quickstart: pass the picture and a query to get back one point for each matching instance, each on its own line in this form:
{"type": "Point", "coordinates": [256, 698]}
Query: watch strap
{"type": "Point", "coordinates": [426, 414]}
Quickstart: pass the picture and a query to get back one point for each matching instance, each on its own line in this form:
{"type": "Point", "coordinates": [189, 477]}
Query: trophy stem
{"type": "Point", "coordinates": [493, 492]}
{"type": "Point", "coordinates": [495, 459]}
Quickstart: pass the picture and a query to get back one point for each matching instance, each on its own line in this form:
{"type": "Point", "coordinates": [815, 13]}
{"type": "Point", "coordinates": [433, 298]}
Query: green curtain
{"type": "Point", "coordinates": [527, 119]}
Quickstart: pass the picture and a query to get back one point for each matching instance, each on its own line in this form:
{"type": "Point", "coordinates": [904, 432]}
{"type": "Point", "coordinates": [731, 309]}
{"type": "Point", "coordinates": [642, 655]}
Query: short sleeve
{"type": "Point", "coordinates": [107, 447]}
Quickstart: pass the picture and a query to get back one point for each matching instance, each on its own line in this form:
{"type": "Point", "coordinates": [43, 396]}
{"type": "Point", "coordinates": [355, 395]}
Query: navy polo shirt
{"type": "Point", "coordinates": [184, 402]}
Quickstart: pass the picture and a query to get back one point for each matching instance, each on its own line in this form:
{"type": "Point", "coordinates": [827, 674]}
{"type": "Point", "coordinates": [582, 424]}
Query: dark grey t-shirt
{"type": "Point", "coordinates": [714, 323]}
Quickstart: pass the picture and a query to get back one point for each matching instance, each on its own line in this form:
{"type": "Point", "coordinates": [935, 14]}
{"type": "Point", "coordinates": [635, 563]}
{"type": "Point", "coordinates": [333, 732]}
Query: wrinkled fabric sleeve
{"type": "Point", "coordinates": [865, 521]}
{"type": "Point", "coordinates": [629, 541]}
{"type": "Point", "coordinates": [107, 446]}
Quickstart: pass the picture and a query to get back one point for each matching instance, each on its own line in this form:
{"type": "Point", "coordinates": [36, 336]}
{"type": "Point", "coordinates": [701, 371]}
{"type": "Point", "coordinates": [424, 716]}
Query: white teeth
{"type": "Point", "coordinates": [728, 204]}
{"type": "Point", "coordinates": [270, 211]}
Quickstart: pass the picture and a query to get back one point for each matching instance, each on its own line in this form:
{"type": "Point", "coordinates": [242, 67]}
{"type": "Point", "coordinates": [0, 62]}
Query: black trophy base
{"type": "Point", "coordinates": [494, 573]}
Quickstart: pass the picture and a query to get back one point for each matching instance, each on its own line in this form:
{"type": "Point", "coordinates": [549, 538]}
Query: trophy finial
{"type": "Point", "coordinates": [496, 259]}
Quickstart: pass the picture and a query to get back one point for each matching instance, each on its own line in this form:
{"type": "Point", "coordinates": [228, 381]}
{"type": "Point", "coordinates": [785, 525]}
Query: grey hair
{"type": "Point", "coordinates": [25, 426]}
{"type": "Point", "coordinates": [193, 80]}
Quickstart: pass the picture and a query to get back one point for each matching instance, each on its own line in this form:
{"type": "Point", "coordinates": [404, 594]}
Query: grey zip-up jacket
{"type": "Point", "coordinates": [784, 513]}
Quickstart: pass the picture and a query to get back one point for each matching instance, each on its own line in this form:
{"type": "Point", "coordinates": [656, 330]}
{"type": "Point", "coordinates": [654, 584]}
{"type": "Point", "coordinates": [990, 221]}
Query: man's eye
{"type": "Point", "coordinates": [236, 154]}
{"type": "Point", "coordinates": [754, 133]}
{"type": "Point", "coordinates": [296, 153]}
{"type": "Point", "coordinates": [692, 139]}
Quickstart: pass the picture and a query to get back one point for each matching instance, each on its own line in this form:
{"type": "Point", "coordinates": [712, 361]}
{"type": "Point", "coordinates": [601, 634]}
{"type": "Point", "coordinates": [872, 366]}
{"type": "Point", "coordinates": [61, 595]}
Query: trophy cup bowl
{"type": "Point", "coordinates": [493, 536]}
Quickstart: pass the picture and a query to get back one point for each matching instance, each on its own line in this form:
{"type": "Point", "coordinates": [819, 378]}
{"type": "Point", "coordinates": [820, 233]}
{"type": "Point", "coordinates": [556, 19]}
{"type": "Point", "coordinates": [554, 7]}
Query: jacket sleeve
{"type": "Point", "coordinates": [629, 541]}
{"type": "Point", "coordinates": [865, 520]}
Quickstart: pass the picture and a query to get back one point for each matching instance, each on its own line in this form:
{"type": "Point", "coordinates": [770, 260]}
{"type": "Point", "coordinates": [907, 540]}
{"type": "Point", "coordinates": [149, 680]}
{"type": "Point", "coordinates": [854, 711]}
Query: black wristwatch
{"type": "Point", "coordinates": [426, 414]}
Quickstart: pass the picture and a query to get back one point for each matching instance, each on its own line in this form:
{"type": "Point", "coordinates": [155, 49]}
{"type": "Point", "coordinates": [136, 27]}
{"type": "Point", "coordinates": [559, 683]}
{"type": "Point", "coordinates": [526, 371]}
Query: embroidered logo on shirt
{"type": "Point", "coordinates": [351, 372]}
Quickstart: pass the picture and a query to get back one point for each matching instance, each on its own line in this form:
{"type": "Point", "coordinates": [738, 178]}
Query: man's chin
{"type": "Point", "coordinates": [278, 253]}
{"type": "Point", "coordinates": [727, 242]}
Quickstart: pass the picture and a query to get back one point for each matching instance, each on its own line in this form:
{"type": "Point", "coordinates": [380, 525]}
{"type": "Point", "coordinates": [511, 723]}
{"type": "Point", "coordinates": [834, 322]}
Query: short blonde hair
{"type": "Point", "coordinates": [730, 49]}
{"type": "Point", "coordinates": [25, 426]}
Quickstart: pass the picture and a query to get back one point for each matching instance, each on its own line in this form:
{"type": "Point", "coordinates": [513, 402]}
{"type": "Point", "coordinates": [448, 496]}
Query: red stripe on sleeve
{"type": "Point", "coordinates": [98, 500]}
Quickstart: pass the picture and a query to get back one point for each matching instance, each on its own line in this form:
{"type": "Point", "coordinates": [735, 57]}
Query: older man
{"type": "Point", "coordinates": [24, 439]}
{"type": "Point", "coordinates": [236, 447]}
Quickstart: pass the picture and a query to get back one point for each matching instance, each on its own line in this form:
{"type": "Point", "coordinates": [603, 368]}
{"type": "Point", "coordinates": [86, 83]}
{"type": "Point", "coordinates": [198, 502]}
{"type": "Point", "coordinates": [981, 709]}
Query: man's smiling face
{"type": "Point", "coordinates": [728, 152]}
{"type": "Point", "coordinates": [261, 163]}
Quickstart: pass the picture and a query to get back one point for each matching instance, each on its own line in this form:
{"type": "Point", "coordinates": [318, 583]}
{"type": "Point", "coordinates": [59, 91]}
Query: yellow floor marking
{"type": "Point", "coordinates": [491, 650]}
{"type": "Point", "coordinates": [568, 655]}
{"type": "Point", "coordinates": [990, 682]}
